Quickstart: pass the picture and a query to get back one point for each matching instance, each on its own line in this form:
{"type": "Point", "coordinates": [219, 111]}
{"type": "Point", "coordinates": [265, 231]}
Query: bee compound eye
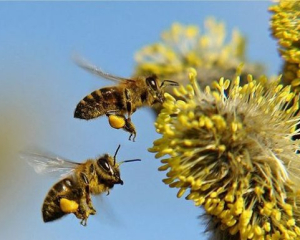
{"type": "Point", "coordinates": [102, 162]}
{"type": "Point", "coordinates": [152, 82]}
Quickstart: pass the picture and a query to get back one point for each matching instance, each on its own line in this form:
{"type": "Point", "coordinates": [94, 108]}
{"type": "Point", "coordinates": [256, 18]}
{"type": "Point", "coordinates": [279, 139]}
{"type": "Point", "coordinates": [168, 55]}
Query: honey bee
{"type": "Point", "coordinates": [122, 99]}
{"type": "Point", "coordinates": [72, 194]}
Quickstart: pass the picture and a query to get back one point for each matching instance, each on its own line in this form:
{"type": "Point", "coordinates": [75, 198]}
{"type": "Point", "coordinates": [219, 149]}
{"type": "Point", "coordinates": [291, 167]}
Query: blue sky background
{"type": "Point", "coordinates": [40, 87]}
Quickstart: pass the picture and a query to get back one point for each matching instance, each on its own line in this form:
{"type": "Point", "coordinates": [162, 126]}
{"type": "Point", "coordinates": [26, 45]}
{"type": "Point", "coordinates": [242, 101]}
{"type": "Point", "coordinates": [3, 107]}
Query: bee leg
{"type": "Point", "coordinates": [87, 194]}
{"type": "Point", "coordinates": [83, 215]}
{"type": "Point", "coordinates": [92, 210]}
{"type": "Point", "coordinates": [84, 212]}
{"type": "Point", "coordinates": [118, 120]}
{"type": "Point", "coordinates": [83, 222]}
{"type": "Point", "coordinates": [129, 127]}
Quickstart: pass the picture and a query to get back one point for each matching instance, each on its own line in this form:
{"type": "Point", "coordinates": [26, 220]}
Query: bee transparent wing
{"type": "Point", "coordinates": [108, 214]}
{"type": "Point", "coordinates": [43, 164]}
{"type": "Point", "coordinates": [84, 64]}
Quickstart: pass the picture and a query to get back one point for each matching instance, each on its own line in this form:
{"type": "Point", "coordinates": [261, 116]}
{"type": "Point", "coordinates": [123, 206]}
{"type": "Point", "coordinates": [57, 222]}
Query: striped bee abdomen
{"type": "Point", "coordinates": [100, 102]}
{"type": "Point", "coordinates": [51, 209]}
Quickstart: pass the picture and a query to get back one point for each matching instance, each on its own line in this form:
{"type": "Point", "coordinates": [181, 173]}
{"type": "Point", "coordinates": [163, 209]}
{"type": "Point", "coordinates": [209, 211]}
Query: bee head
{"type": "Point", "coordinates": [157, 90]}
{"type": "Point", "coordinates": [108, 169]}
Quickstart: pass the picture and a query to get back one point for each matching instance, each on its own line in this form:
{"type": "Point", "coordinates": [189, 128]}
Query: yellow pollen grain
{"type": "Point", "coordinates": [181, 192]}
{"type": "Point", "coordinates": [182, 178]}
{"type": "Point", "coordinates": [291, 222]}
{"type": "Point", "coordinates": [213, 194]}
{"type": "Point", "coordinates": [229, 197]}
{"type": "Point", "coordinates": [208, 123]}
{"type": "Point", "coordinates": [163, 167]}
{"type": "Point", "coordinates": [257, 230]}
{"type": "Point", "coordinates": [267, 226]}
{"type": "Point", "coordinates": [191, 115]}
{"type": "Point", "coordinates": [197, 185]}
{"type": "Point", "coordinates": [181, 104]}
{"type": "Point", "coordinates": [192, 73]}
{"type": "Point", "coordinates": [216, 96]}
{"type": "Point", "coordinates": [231, 222]}
{"type": "Point", "coordinates": [191, 180]}
{"type": "Point", "coordinates": [267, 209]}
{"type": "Point", "coordinates": [219, 208]}
{"type": "Point", "coordinates": [219, 122]}
{"type": "Point", "coordinates": [234, 126]}
{"type": "Point", "coordinates": [183, 119]}
{"type": "Point", "coordinates": [276, 214]}
{"type": "Point", "coordinates": [199, 201]}
{"type": "Point", "coordinates": [205, 187]}
{"type": "Point", "coordinates": [238, 206]}
{"type": "Point", "coordinates": [234, 230]}
{"type": "Point", "coordinates": [297, 230]}
{"type": "Point", "coordinates": [181, 90]}
{"type": "Point", "coordinates": [190, 89]}
{"type": "Point", "coordinates": [168, 180]}
{"type": "Point", "coordinates": [224, 214]}
{"type": "Point", "coordinates": [169, 132]}
{"type": "Point", "coordinates": [210, 209]}
{"type": "Point", "coordinates": [169, 97]}
{"type": "Point", "coordinates": [188, 143]}
{"type": "Point", "coordinates": [258, 190]}
{"type": "Point", "coordinates": [192, 196]}
{"type": "Point", "coordinates": [226, 84]}
{"type": "Point", "coordinates": [222, 148]}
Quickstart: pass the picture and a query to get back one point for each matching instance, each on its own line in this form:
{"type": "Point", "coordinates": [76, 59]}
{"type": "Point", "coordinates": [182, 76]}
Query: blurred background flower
{"type": "Point", "coordinates": [211, 51]}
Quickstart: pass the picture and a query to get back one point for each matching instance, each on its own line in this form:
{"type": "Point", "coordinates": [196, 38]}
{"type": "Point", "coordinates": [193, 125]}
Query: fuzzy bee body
{"type": "Point", "coordinates": [75, 187]}
{"type": "Point", "coordinates": [113, 99]}
{"type": "Point", "coordinates": [72, 194]}
{"type": "Point", "coordinates": [122, 99]}
{"type": "Point", "coordinates": [65, 188]}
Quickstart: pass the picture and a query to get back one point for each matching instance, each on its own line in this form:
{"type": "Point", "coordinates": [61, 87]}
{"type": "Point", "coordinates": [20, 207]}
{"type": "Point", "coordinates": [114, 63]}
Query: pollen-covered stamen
{"type": "Point", "coordinates": [231, 148]}
{"type": "Point", "coordinates": [285, 23]}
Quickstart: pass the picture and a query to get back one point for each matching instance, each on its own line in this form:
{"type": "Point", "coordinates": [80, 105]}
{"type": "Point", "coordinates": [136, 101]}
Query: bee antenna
{"type": "Point", "coordinates": [116, 154]}
{"type": "Point", "coordinates": [132, 160]}
{"type": "Point", "coordinates": [168, 83]}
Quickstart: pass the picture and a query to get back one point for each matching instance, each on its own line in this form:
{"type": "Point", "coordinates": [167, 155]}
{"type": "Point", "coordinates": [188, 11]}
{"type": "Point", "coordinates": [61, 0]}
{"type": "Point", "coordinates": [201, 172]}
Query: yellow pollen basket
{"type": "Point", "coordinates": [68, 206]}
{"type": "Point", "coordinates": [116, 122]}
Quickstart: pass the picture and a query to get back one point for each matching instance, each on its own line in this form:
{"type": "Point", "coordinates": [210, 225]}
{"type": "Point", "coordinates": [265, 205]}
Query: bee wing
{"type": "Point", "coordinates": [49, 165]}
{"type": "Point", "coordinates": [84, 64]}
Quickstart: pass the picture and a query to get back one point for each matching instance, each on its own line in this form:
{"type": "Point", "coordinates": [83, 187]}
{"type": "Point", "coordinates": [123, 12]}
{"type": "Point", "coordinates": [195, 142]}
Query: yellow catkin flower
{"type": "Point", "coordinates": [238, 160]}
{"type": "Point", "coordinates": [206, 50]}
{"type": "Point", "coordinates": [285, 26]}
